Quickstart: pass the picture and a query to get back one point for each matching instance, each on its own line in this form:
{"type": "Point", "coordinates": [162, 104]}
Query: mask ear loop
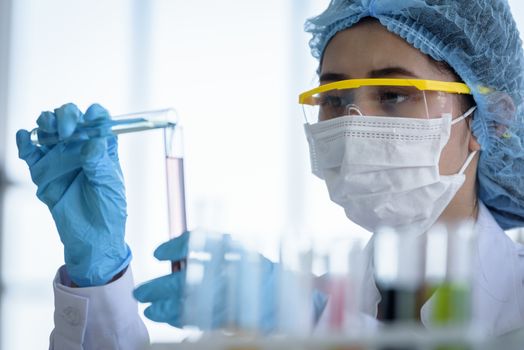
{"type": "Point", "coordinates": [466, 163]}
{"type": "Point", "coordinates": [353, 108]}
{"type": "Point", "coordinates": [425, 104]}
{"type": "Point", "coordinates": [472, 154]}
{"type": "Point", "coordinates": [304, 112]}
{"type": "Point", "coordinates": [464, 116]}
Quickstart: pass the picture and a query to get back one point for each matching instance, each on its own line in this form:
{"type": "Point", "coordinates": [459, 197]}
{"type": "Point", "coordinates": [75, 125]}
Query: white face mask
{"type": "Point", "coordinates": [384, 170]}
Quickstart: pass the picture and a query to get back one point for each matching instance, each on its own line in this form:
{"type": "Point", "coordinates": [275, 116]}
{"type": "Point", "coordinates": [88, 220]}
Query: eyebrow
{"type": "Point", "coordinates": [329, 77]}
{"type": "Point", "coordinates": [378, 73]}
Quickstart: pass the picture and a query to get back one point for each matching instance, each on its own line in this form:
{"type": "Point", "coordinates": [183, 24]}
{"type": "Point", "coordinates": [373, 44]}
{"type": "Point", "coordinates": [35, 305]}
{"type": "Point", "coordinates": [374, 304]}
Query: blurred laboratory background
{"type": "Point", "coordinates": [232, 69]}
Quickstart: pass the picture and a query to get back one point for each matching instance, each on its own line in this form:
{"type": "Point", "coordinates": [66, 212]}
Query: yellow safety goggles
{"type": "Point", "coordinates": [407, 98]}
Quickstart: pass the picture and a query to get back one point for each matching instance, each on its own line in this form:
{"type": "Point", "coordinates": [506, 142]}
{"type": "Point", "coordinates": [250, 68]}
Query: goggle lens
{"type": "Point", "coordinates": [391, 101]}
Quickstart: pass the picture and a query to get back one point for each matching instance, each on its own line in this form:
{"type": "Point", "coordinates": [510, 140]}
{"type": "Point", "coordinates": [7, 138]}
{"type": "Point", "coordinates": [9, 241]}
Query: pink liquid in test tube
{"type": "Point", "coordinates": [176, 200]}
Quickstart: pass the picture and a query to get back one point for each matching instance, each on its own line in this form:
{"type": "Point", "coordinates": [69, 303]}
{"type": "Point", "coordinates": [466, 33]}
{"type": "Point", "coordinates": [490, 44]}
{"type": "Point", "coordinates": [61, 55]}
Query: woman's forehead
{"type": "Point", "coordinates": [368, 47]}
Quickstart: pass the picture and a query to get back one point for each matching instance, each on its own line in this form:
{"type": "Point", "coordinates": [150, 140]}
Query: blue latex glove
{"type": "Point", "coordinates": [81, 182]}
{"type": "Point", "coordinates": [166, 293]}
{"type": "Point", "coordinates": [207, 303]}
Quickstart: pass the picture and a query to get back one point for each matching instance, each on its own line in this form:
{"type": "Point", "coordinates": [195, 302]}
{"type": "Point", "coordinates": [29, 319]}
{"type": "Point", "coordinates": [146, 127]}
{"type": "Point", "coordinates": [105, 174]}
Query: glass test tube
{"type": "Point", "coordinates": [205, 280]}
{"type": "Point", "coordinates": [399, 270]}
{"type": "Point", "coordinates": [176, 198]}
{"type": "Point", "coordinates": [447, 280]}
{"type": "Point", "coordinates": [249, 291]}
{"type": "Point", "coordinates": [338, 286]}
{"type": "Point", "coordinates": [295, 286]}
{"type": "Point", "coordinates": [342, 266]}
{"type": "Point", "coordinates": [242, 277]}
{"type": "Point", "coordinates": [120, 124]}
{"type": "Point", "coordinates": [451, 299]}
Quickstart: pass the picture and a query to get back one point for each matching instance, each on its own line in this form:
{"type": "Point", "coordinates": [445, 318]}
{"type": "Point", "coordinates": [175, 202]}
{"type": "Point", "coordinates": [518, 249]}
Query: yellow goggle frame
{"type": "Point", "coordinates": [421, 84]}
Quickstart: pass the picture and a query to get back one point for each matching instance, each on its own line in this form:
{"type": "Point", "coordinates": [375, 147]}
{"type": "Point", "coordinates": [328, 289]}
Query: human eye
{"type": "Point", "coordinates": [330, 101]}
{"type": "Point", "coordinates": [392, 97]}
{"type": "Point", "coordinates": [397, 100]}
{"type": "Point", "coordinates": [332, 105]}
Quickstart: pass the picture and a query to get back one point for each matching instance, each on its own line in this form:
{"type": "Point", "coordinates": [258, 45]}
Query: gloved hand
{"type": "Point", "coordinates": [216, 288]}
{"type": "Point", "coordinates": [81, 182]}
{"type": "Point", "coordinates": [166, 293]}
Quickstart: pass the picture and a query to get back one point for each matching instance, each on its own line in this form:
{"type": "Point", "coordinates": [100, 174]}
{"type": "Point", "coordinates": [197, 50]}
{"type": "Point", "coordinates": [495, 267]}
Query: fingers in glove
{"type": "Point", "coordinates": [169, 311]}
{"type": "Point", "coordinates": [55, 171]}
{"type": "Point", "coordinates": [58, 161]}
{"type": "Point", "coordinates": [26, 150]}
{"type": "Point", "coordinates": [174, 249]}
{"type": "Point", "coordinates": [96, 112]}
{"type": "Point", "coordinates": [98, 166]}
{"type": "Point", "coordinates": [93, 152]}
{"type": "Point", "coordinates": [47, 122]}
{"type": "Point", "coordinates": [52, 169]}
{"type": "Point", "coordinates": [97, 152]}
{"type": "Point", "coordinates": [112, 148]}
{"type": "Point", "coordinates": [165, 287]}
{"type": "Point", "coordinates": [67, 117]}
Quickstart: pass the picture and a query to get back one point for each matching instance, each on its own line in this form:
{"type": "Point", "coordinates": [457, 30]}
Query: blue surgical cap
{"type": "Point", "coordinates": [480, 41]}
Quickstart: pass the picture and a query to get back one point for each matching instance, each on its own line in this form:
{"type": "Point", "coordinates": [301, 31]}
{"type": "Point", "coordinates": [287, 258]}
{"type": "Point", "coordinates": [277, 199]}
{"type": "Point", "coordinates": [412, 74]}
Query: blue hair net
{"type": "Point", "coordinates": [480, 41]}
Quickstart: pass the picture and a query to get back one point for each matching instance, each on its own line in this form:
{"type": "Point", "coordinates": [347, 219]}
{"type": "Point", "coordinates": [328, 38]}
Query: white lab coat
{"type": "Point", "coordinates": [106, 317]}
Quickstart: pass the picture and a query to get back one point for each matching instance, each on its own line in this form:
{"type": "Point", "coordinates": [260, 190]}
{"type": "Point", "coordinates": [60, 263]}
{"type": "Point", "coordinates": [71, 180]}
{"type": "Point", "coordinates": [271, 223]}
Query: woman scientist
{"type": "Point", "coordinates": [418, 121]}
